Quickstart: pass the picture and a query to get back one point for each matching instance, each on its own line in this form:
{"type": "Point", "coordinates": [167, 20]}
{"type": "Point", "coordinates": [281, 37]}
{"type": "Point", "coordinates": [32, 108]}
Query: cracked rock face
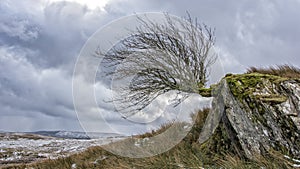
{"type": "Point", "coordinates": [262, 114]}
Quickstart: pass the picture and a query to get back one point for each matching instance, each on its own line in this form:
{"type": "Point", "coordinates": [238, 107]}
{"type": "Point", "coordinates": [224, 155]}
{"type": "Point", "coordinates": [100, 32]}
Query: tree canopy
{"type": "Point", "coordinates": [160, 57]}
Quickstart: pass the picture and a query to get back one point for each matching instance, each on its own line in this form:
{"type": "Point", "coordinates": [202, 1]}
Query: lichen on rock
{"type": "Point", "coordinates": [258, 113]}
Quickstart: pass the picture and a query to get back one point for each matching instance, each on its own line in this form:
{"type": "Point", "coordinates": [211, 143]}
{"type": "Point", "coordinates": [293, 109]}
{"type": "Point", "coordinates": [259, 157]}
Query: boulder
{"type": "Point", "coordinates": [255, 114]}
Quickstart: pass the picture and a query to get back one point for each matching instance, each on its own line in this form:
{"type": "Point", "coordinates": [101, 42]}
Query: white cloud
{"type": "Point", "coordinates": [26, 91]}
{"type": "Point", "coordinates": [20, 29]}
{"type": "Point", "coordinates": [91, 4]}
{"type": "Point", "coordinates": [40, 40]}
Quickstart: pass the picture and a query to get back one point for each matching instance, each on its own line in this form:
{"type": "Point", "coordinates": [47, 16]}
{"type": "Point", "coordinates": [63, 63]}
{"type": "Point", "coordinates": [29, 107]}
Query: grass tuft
{"type": "Point", "coordinates": [286, 71]}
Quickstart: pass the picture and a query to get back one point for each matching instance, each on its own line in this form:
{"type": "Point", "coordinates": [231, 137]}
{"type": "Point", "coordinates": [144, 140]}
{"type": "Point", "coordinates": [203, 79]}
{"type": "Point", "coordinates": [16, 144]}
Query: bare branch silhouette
{"type": "Point", "coordinates": [160, 57]}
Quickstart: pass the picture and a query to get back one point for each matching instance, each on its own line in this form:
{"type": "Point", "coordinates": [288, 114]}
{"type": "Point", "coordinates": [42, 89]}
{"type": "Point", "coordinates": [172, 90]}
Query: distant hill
{"type": "Point", "coordinates": [76, 134]}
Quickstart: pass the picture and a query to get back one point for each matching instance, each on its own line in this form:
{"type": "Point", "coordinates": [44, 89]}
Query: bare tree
{"type": "Point", "coordinates": [160, 57]}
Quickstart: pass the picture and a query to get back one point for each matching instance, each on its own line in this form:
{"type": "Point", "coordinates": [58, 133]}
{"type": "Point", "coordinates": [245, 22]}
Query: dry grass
{"type": "Point", "coordinates": [286, 71]}
{"type": "Point", "coordinates": [187, 154]}
{"type": "Point", "coordinates": [273, 160]}
{"type": "Point", "coordinates": [161, 129]}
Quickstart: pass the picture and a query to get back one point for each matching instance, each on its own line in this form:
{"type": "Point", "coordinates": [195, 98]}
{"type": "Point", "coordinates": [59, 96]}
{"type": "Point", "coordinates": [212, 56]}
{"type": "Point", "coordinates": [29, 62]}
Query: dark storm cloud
{"type": "Point", "coordinates": [26, 88]}
{"type": "Point", "coordinates": [57, 31]}
{"type": "Point", "coordinates": [249, 33]}
{"type": "Point", "coordinates": [40, 40]}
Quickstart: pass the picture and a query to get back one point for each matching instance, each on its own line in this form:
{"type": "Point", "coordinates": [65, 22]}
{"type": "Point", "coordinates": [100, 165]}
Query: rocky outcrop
{"type": "Point", "coordinates": [257, 113]}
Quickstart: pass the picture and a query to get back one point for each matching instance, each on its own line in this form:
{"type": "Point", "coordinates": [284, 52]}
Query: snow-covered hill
{"type": "Point", "coordinates": [28, 147]}
{"type": "Point", "coordinates": [76, 134]}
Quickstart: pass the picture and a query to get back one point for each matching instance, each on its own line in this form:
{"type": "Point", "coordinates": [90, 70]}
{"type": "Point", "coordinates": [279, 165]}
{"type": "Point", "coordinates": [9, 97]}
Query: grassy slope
{"type": "Point", "coordinates": [187, 154]}
{"type": "Point", "coordinates": [214, 153]}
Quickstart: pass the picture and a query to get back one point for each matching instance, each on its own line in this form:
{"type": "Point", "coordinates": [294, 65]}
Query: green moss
{"type": "Point", "coordinates": [273, 99]}
{"type": "Point", "coordinates": [244, 85]}
{"type": "Point", "coordinates": [279, 80]}
{"type": "Point", "coordinates": [228, 75]}
{"type": "Point", "coordinates": [205, 92]}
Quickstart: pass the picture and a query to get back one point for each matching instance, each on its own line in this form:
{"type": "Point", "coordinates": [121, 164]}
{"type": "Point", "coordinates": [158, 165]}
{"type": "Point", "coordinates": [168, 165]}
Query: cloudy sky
{"type": "Point", "coordinates": [41, 39]}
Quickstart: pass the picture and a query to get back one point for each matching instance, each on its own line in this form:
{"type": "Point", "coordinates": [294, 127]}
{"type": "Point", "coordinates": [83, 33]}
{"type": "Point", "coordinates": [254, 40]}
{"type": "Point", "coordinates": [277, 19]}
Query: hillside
{"type": "Point", "coordinates": [254, 123]}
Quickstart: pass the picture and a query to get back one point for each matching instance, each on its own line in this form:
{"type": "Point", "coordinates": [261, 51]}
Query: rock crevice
{"type": "Point", "coordinates": [260, 113]}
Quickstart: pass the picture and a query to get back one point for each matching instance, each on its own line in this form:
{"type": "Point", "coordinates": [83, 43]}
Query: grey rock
{"type": "Point", "coordinates": [271, 124]}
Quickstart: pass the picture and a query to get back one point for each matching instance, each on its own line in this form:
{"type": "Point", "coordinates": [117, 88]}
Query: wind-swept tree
{"type": "Point", "coordinates": [160, 57]}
